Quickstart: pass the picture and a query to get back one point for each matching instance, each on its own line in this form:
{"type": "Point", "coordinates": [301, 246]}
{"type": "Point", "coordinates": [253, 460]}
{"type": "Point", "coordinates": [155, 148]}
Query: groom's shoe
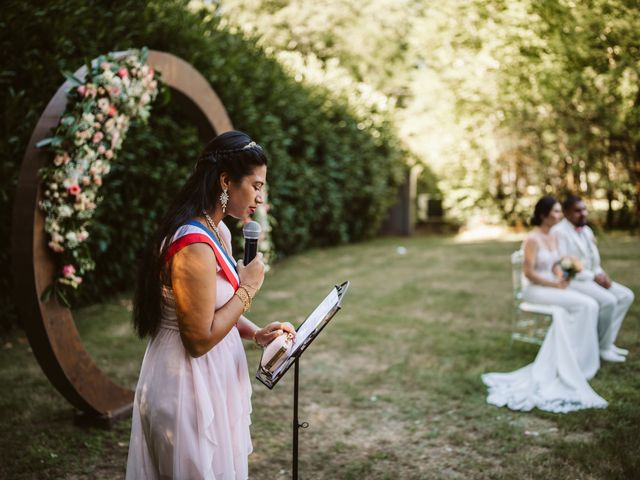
{"type": "Point", "coordinates": [620, 351]}
{"type": "Point", "coordinates": [611, 356]}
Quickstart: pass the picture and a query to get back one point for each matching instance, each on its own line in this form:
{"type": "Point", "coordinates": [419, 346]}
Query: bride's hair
{"type": "Point", "coordinates": [233, 153]}
{"type": "Point", "coordinates": [542, 209]}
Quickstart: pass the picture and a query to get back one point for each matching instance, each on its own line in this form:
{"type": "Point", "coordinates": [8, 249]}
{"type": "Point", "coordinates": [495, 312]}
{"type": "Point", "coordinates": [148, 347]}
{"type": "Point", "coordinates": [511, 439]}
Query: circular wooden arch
{"type": "Point", "coordinates": [49, 326]}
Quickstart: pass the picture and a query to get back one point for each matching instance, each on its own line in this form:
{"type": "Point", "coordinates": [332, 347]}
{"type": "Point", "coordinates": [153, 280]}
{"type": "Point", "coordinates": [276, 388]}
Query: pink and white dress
{"type": "Point", "coordinates": [191, 416]}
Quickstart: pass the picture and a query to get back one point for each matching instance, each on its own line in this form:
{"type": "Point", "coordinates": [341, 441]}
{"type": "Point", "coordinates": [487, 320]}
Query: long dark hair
{"type": "Point", "coordinates": [542, 209]}
{"type": "Point", "coordinates": [233, 153]}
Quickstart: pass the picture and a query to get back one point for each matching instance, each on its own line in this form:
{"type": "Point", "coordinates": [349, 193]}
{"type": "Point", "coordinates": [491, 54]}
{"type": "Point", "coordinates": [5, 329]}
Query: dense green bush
{"type": "Point", "coordinates": [331, 177]}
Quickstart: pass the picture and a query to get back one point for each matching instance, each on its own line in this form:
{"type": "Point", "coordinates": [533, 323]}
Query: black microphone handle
{"type": "Point", "coordinates": [250, 249]}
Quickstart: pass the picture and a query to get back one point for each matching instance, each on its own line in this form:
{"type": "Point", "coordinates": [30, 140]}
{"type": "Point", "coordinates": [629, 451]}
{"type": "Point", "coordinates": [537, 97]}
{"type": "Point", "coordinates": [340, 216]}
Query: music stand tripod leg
{"type": "Point", "coordinates": [296, 423]}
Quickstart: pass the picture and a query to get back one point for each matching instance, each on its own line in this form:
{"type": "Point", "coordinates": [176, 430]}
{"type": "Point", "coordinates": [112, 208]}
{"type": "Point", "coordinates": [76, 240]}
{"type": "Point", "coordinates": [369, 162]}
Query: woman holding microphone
{"type": "Point", "coordinates": [191, 412]}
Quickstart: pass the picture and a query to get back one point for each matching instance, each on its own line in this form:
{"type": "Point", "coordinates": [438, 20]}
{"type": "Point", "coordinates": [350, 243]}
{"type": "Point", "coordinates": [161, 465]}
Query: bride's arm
{"type": "Point", "coordinates": [528, 268]}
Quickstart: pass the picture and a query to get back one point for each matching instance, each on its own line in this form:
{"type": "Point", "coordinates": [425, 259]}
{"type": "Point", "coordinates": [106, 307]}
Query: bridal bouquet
{"type": "Point", "coordinates": [570, 266]}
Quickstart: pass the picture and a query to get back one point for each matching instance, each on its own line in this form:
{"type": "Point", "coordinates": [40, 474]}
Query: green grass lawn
{"type": "Point", "coordinates": [391, 389]}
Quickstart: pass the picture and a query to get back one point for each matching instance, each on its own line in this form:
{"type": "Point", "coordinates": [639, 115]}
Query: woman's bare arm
{"type": "Point", "coordinates": [265, 335]}
{"type": "Point", "coordinates": [193, 281]}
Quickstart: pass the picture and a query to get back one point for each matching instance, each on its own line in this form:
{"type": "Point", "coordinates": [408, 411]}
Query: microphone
{"type": "Point", "coordinates": [251, 232]}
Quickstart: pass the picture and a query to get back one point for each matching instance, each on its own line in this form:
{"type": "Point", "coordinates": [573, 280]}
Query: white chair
{"type": "Point", "coordinates": [530, 320]}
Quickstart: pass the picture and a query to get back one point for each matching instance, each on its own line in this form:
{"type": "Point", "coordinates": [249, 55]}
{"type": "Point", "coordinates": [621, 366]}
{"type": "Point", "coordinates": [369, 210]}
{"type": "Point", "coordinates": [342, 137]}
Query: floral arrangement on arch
{"type": "Point", "coordinates": [117, 89]}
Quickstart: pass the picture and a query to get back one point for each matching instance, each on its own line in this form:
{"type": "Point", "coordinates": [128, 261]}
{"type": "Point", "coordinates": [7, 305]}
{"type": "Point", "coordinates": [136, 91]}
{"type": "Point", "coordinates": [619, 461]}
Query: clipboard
{"type": "Point", "coordinates": [306, 333]}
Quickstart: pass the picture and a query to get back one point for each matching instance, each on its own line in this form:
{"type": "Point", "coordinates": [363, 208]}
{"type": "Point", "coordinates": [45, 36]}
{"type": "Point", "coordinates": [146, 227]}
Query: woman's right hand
{"type": "Point", "coordinates": [561, 284]}
{"type": "Point", "coordinates": [252, 275]}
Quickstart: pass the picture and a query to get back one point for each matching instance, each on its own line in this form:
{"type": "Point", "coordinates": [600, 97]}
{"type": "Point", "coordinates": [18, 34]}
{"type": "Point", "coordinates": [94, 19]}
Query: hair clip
{"type": "Point", "coordinates": [250, 145]}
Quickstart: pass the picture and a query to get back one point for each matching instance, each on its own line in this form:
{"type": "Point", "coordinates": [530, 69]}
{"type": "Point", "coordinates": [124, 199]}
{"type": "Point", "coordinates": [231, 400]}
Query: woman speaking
{"type": "Point", "coordinates": [191, 412]}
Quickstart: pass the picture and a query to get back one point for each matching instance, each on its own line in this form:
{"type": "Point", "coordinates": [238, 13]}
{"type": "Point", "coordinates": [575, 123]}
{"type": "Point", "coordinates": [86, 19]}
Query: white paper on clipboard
{"type": "Point", "coordinates": [312, 322]}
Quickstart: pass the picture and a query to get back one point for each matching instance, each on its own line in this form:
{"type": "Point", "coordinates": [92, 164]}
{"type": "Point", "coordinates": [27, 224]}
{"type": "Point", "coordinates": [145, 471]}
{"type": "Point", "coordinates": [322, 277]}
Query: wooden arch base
{"type": "Point", "coordinates": [49, 326]}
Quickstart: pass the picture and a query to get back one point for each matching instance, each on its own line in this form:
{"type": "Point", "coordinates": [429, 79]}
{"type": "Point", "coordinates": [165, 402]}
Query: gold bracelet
{"type": "Point", "coordinates": [250, 290]}
{"type": "Point", "coordinates": [255, 340]}
{"type": "Point", "coordinates": [244, 297]}
{"type": "Point", "coordinates": [247, 289]}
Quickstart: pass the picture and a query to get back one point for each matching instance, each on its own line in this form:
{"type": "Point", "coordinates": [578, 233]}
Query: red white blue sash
{"type": "Point", "coordinates": [195, 232]}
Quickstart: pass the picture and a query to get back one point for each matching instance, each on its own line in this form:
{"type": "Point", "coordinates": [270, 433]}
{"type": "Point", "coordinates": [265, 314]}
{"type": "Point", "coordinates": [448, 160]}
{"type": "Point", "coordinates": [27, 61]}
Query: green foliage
{"type": "Point", "coordinates": [332, 172]}
{"type": "Point", "coordinates": [555, 102]}
{"type": "Point", "coordinates": [505, 101]}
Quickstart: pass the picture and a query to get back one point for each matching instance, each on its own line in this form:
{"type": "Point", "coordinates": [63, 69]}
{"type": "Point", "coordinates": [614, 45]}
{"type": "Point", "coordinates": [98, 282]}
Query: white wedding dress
{"type": "Point", "coordinates": [556, 381]}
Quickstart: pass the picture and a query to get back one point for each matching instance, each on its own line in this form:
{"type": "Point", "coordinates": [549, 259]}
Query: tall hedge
{"type": "Point", "coordinates": [331, 177]}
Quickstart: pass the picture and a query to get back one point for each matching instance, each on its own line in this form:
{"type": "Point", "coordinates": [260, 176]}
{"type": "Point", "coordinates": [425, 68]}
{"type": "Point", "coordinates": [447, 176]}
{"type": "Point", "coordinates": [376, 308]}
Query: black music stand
{"type": "Point", "coordinates": [270, 380]}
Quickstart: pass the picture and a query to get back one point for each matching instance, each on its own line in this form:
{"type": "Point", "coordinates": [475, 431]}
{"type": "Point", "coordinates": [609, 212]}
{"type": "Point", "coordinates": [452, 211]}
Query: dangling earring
{"type": "Point", "coordinates": [224, 199]}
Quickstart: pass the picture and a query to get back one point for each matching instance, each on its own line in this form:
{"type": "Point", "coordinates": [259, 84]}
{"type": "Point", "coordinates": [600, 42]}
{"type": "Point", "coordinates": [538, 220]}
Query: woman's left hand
{"type": "Point", "coordinates": [264, 336]}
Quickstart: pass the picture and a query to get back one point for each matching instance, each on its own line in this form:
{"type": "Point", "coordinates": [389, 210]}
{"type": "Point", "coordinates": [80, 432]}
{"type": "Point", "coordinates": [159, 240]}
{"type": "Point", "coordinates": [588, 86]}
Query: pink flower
{"type": "Point", "coordinates": [109, 154]}
{"type": "Point", "coordinates": [68, 271]}
{"type": "Point", "coordinates": [86, 181]}
{"type": "Point", "coordinates": [97, 137]}
{"type": "Point", "coordinates": [123, 72]}
{"type": "Point", "coordinates": [151, 72]}
{"type": "Point", "coordinates": [101, 149]}
{"type": "Point", "coordinates": [78, 280]}
{"type": "Point", "coordinates": [73, 190]}
{"type": "Point", "coordinates": [97, 180]}
{"type": "Point", "coordinates": [100, 117]}
{"type": "Point", "coordinates": [113, 111]}
{"type": "Point", "coordinates": [105, 66]}
{"type": "Point", "coordinates": [82, 90]}
{"type": "Point", "coordinates": [114, 91]}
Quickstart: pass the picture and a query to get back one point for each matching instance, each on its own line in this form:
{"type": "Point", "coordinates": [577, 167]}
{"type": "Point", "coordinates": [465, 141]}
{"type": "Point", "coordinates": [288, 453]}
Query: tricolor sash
{"type": "Point", "coordinates": [195, 232]}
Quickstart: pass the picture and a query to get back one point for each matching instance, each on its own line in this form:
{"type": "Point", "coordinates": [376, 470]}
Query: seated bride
{"type": "Point", "coordinates": [556, 381]}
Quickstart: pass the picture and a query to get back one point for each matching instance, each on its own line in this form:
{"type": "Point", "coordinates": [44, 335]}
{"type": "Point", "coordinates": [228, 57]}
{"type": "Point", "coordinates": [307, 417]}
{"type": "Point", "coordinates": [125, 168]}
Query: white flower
{"type": "Point", "coordinates": [103, 105]}
{"type": "Point", "coordinates": [65, 211]}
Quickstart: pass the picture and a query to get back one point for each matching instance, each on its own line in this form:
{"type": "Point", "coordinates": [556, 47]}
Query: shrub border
{"type": "Point", "coordinates": [49, 325]}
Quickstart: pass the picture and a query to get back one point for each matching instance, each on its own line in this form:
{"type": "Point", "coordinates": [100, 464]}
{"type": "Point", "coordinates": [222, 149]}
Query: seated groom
{"type": "Point", "coordinates": [576, 238]}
